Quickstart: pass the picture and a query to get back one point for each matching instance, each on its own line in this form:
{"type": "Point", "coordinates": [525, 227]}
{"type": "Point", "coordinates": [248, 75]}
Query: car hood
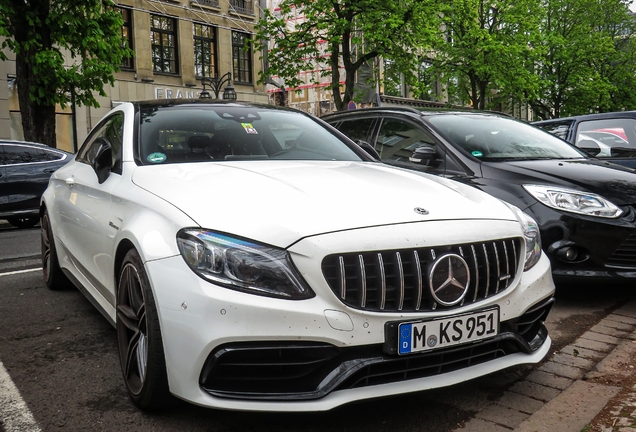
{"type": "Point", "coordinates": [281, 202]}
{"type": "Point", "coordinates": [614, 182]}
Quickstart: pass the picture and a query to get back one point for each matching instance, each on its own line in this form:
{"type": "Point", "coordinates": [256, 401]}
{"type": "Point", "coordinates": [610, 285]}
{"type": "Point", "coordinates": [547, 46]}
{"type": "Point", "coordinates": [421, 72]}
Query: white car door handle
{"type": "Point", "coordinates": [70, 181]}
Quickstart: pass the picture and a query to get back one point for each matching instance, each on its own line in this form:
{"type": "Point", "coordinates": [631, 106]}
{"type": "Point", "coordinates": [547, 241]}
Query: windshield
{"type": "Point", "coordinates": [199, 133]}
{"type": "Point", "coordinates": [493, 138]}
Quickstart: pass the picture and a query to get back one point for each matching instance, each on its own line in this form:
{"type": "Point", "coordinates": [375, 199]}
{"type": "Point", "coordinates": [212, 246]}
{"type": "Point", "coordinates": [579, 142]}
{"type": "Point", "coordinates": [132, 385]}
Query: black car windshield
{"type": "Point", "coordinates": [200, 133]}
{"type": "Point", "coordinates": [493, 138]}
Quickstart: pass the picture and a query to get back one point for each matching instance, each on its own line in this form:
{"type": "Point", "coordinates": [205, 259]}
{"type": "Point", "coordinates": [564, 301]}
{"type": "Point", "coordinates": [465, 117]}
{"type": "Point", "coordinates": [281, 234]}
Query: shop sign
{"type": "Point", "coordinates": [166, 93]}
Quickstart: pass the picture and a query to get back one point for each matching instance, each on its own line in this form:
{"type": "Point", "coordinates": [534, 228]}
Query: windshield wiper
{"type": "Point", "coordinates": [519, 158]}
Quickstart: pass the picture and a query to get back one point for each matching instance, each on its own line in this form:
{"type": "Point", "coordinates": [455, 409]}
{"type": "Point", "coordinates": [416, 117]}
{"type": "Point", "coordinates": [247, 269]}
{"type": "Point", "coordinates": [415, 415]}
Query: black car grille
{"type": "Point", "coordinates": [308, 370]}
{"type": "Point", "coordinates": [625, 255]}
{"type": "Point", "coordinates": [398, 281]}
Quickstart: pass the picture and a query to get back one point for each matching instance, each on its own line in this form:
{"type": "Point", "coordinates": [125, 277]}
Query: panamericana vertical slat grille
{"type": "Point", "coordinates": [398, 280]}
{"type": "Point", "coordinates": [625, 255]}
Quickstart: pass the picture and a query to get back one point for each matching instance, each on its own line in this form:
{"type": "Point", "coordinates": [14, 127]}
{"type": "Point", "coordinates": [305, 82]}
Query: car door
{"type": "Point", "coordinates": [85, 212]}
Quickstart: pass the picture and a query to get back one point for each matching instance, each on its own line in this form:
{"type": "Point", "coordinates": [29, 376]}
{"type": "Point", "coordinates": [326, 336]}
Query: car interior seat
{"type": "Point", "coordinates": [237, 143]}
{"type": "Point", "coordinates": [199, 145]}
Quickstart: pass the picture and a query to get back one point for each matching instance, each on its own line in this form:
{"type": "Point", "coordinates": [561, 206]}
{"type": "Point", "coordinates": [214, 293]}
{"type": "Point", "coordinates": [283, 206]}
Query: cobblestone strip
{"type": "Point", "coordinates": [623, 415]}
{"type": "Point", "coordinates": [563, 368]}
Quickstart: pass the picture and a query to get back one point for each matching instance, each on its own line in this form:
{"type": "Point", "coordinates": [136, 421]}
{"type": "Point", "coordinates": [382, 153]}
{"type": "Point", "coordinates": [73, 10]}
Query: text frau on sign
{"type": "Point", "coordinates": [166, 93]}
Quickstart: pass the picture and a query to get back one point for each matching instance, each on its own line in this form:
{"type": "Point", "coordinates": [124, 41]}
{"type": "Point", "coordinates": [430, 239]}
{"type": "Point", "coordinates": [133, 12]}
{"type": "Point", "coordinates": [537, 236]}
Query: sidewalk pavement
{"type": "Point", "coordinates": [587, 386]}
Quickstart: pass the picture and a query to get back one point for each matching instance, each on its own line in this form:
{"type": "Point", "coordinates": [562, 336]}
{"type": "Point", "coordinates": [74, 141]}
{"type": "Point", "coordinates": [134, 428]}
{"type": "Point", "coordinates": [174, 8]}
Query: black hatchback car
{"type": "Point", "coordinates": [609, 136]}
{"type": "Point", "coordinates": [585, 208]}
{"type": "Point", "coordinates": [25, 169]}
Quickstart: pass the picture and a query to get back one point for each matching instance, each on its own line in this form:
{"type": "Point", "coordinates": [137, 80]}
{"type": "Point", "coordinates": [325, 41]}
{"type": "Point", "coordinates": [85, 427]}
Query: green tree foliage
{"type": "Point", "coordinates": [324, 34]}
{"type": "Point", "coordinates": [589, 60]}
{"type": "Point", "coordinates": [488, 46]}
{"type": "Point", "coordinates": [46, 34]}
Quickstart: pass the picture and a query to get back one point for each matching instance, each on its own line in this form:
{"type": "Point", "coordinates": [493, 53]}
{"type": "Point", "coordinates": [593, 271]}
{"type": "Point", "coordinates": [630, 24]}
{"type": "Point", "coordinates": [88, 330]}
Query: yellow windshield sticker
{"type": "Point", "coordinates": [249, 128]}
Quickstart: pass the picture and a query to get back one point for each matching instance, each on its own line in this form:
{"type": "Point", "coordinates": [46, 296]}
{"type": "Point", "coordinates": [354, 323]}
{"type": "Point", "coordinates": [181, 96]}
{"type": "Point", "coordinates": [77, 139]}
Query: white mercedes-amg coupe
{"type": "Point", "coordinates": [252, 257]}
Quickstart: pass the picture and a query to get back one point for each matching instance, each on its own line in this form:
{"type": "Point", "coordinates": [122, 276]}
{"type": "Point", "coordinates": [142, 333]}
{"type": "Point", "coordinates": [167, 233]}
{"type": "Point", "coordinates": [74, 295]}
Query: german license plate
{"type": "Point", "coordinates": [444, 332]}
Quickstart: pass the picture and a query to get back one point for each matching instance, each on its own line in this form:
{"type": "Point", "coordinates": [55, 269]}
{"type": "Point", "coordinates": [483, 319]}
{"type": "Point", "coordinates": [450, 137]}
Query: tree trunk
{"type": "Point", "coordinates": [335, 76]}
{"type": "Point", "coordinates": [38, 121]}
{"type": "Point", "coordinates": [483, 89]}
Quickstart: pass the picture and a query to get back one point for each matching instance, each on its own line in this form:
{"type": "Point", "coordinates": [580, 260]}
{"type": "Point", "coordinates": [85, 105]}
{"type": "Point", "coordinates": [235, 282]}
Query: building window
{"type": "Point", "coordinates": [241, 57]}
{"type": "Point", "coordinates": [126, 34]}
{"type": "Point", "coordinates": [204, 50]}
{"type": "Point", "coordinates": [210, 3]}
{"type": "Point", "coordinates": [163, 33]}
{"type": "Point", "coordinates": [242, 6]}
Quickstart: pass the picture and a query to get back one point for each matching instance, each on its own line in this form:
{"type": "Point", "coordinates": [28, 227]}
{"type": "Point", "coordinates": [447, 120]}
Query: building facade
{"type": "Point", "coordinates": [176, 43]}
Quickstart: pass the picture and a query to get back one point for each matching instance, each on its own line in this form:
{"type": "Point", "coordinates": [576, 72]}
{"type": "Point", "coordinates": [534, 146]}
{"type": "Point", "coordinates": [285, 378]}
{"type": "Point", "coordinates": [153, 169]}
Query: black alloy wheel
{"type": "Point", "coordinates": [53, 275]}
{"type": "Point", "coordinates": [23, 222]}
{"type": "Point", "coordinates": [139, 337]}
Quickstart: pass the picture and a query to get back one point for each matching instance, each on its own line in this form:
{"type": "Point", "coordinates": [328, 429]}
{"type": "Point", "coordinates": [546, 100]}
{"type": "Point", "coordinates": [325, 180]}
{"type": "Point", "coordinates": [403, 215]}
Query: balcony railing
{"type": "Point", "coordinates": [210, 3]}
{"type": "Point", "coordinates": [242, 6]}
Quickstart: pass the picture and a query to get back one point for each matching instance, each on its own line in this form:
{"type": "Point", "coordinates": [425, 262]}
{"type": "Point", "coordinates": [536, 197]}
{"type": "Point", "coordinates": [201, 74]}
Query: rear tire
{"type": "Point", "coordinates": [53, 275]}
{"type": "Point", "coordinates": [141, 352]}
{"type": "Point", "coordinates": [23, 222]}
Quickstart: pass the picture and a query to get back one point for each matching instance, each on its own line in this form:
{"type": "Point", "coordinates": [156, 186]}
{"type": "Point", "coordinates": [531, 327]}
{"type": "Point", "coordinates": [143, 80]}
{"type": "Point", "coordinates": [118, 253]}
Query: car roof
{"type": "Point", "coordinates": [33, 144]}
{"type": "Point", "coordinates": [596, 116]}
{"type": "Point", "coordinates": [420, 111]}
{"type": "Point", "coordinates": [159, 103]}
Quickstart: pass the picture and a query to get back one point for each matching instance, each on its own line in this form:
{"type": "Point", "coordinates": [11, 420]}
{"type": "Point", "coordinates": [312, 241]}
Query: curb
{"type": "Point", "coordinates": [557, 395]}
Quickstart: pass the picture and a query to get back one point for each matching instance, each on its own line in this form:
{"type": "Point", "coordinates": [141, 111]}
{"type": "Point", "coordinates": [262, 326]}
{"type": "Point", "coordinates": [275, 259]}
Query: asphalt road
{"type": "Point", "coordinates": [61, 354]}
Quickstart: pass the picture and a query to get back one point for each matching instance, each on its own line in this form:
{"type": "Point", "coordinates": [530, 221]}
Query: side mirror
{"type": "Point", "coordinates": [103, 159]}
{"type": "Point", "coordinates": [590, 147]}
{"type": "Point", "coordinates": [423, 155]}
{"type": "Point", "coordinates": [369, 149]}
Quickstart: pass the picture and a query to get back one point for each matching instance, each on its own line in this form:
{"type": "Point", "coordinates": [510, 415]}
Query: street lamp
{"type": "Point", "coordinates": [215, 83]}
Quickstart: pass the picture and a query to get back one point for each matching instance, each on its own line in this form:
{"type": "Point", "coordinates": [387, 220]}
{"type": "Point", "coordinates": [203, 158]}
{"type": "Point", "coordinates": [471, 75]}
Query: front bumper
{"type": "Point", "coordinates": [602, 248]}
{"type": "Point", "coordinates": [324, 353]}
{"type": "Point", "coordinates": [298, 371]}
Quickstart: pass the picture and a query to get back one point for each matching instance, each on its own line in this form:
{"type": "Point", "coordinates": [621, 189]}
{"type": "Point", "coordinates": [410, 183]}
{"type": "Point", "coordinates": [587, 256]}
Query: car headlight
{"type": "Point", "coordinates": [574, 201]}
{"type": "Point", "coordinates": [532, 236]}
{"type": "Point", "coordinates": [241, 264]}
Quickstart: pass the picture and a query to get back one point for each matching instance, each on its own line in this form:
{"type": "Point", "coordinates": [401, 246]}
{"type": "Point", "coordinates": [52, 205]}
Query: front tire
{"type": "Point", "coordinates": [141, 352]}
{"type": "Point", "coordinates": [52, 273]}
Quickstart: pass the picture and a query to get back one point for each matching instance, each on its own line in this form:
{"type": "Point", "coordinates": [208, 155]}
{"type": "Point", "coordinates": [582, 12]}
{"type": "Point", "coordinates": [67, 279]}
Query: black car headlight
{"type": "Point", "coordinates": [531, 234]}
{"type": "Point", "coordinates": [241, 264]}
{"type": "Point", "coordinates": [574, 201]}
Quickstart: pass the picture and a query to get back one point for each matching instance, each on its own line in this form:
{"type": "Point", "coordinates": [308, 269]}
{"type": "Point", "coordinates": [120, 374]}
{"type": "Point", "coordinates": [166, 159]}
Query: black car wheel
{"type": "Point", "coordinates": [23, 222]}
{"type": "Point", "coordinates": [53, 275]}
{"type": "Point", "coordinates": [139, 337]}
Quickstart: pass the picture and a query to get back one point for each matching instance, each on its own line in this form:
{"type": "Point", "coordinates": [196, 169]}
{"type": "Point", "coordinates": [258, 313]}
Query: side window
{"type": "Point", "coordinates": [398, 139]}
{"type": "Point", "coordinates": [559, 129]}
{"type": "Point", "coordinates": [87, 152]}
{"type": "Point", "coordinates": [112, 130]}
{"type": "Point", "coordinates": [611, 135]}
{"type": "Point", "coordinates": [114, 134]}
{"type": "Point", "coordinates": [357, 130]}
{"type": "Point", "coordinates": [49, 155]}
{"type": "Point", "coordinates": [17, 154]}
